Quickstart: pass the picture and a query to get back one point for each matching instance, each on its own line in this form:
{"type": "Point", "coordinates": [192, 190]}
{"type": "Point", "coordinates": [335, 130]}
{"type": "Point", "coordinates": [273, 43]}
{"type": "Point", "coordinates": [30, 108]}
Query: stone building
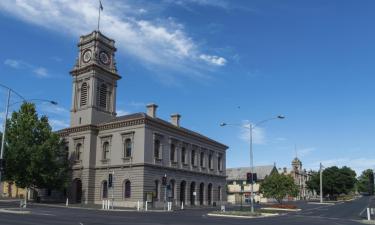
{"type": "Point", "coordinates": [238, 189]}
{"type": "Point", "coordinates": [138, 149]}
{"type": "Point", "coordinates": [10, 190]}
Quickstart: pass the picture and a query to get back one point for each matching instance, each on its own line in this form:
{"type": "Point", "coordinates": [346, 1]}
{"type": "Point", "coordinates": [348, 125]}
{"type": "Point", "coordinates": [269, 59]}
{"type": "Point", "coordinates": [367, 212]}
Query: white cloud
{"type": "Point", "coordinates": [213, 59]}
{"type": "Point", "coordinates": [122, 112]}
{"type": "Point", "coordinates": [48, 108]}
{"type": "Point", "coordinates": [38, 71]}
{"type": "Point", "coordinates": [258, 134]}
{"type": "Point", "coordinates": [212, 3]}
{"type": "Point", "coordinates": [57, 124]}
{"type": "Point", "coordinates": [13, 63]}
{"type": "Point", "coordinates": [41, 72]}
{"type": "Point", "coordinates": [158, 42]}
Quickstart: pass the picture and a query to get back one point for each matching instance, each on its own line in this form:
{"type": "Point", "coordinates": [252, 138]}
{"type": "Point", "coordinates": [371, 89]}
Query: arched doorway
{"type": "Point", "coordinates": [209, 194]}
{"type": "Point", "coordinates": [78, 190]}
{"type": "Point", "coordinates": [201, 193]}
{"type": "Point", "coordinates": [182, 191]}
{"type": "Point", "coordinates": [192, 193]}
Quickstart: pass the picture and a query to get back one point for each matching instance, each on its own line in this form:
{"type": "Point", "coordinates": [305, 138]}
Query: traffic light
{"type": "Point", "coordinates": [110, 179]}
{"type": "Point", "coordinates": [251, 177]}
{"type": "Point", "coordinates": [164, 180]}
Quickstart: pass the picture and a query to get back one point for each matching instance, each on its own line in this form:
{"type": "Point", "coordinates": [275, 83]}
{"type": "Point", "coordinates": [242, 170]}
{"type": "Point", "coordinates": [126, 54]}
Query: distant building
{"type": "Point", "coordinates": [10, 190]}
{"type": "Point", "coordinates": [300, 176]}
{"type": "Point", "coordinates": [237, 187]}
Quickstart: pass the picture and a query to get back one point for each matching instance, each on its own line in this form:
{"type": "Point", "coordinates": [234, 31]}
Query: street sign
{"type": "Point", "coordinates": [251, 177]}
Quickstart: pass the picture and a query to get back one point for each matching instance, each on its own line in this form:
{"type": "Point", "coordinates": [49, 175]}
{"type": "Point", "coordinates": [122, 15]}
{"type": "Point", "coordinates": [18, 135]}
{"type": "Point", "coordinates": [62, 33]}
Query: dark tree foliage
{"type": "Point", "coordinates": [34, 155]}
{"type": "Point", "coordinates": [365, 182]}
{"type": "Point", "coordinates": [336, 181]}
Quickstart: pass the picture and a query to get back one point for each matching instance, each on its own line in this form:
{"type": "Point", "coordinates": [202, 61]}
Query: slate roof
{"type": "Point", "coordinates": [240, 173]}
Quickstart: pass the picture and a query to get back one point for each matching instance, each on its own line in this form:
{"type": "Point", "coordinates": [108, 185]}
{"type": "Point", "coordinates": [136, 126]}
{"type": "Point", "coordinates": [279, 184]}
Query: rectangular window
{"type": "Point", "coordinates": [210, 161]}
{"type": "Point", "coordinates": [183, 155]}
{"type": "Point", "coordinates": [156, 149]}
{"type": "Point", "coordinates": [202, 159]}
{"type": "Point", "coordinates": [193, 157]}
{"type": "Point", "coordinates": [172, 153]}
{"type": "Point", "coordinates": [219, 163]}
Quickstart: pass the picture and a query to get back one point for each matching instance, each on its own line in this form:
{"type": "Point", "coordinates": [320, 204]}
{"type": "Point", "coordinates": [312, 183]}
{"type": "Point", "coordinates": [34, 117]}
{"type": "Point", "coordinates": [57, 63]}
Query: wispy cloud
{"type": "Point", "coordinates": [38, 71]}
{"type": "Point", "coordinates": [160, 42]}
{"type": "Point", "coordinates": [122, 112]}
{"type": "Point", "coordinates": [258, 134]}
{"type": "Point", "coordinates": [357, 164]}
{"type": "Point", "coordinates": [305, 151]}
{"type": "Point", "coordinates": [57, 124]}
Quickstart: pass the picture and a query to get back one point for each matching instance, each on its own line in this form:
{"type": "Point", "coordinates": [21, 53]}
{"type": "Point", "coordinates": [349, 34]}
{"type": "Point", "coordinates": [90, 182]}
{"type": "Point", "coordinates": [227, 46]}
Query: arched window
{"type": "Point", "coordinates": [128, 147]}
{"type": "Point", "coordinates": [84, 94]}
{"type": "Point", "coordinates": [127, 189]}
{"type": "Point", "coordinates": [104, 189]}
{"type": "Point", "coordinates": [105, 150]}
{"type": "Point", "coordinates": [156, 149]}
{"type": "Point", "coordinates": [103, 96]}
{"type": "Point", "coordinates": [173, 151]}
{"type": "Point", "coordinates": [172, 188]}
{"type": "Point", "coordinates": [78, 151]}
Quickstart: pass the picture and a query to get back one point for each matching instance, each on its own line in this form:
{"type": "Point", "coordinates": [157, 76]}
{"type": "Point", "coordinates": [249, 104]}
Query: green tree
{"type": "Point", "coordinates": [366, 182]}
{"type": "Point", "coordinates": [336, 181]}
{"type": "Point", "coordinates": [34, 155]}
{"type": "Point", "coordinates": [278, 186]}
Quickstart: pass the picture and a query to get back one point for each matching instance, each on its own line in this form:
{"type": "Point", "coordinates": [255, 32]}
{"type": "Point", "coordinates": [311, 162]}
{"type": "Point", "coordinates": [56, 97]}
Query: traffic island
{"type": "Point", "coordinates": [15, 211]}
{"type": "Point", "coordinates": [244, 213]}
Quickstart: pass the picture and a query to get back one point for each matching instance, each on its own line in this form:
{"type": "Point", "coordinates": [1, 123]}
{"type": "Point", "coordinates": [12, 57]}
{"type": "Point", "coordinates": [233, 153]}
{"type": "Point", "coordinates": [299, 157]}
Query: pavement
{"type": "Point", "coordinates": [345, 213]}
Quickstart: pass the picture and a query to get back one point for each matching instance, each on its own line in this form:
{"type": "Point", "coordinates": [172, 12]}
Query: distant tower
{"type": "Point", "coordinates": [94, 81]}
{"type": "Point", "coordinates": [296, 164]}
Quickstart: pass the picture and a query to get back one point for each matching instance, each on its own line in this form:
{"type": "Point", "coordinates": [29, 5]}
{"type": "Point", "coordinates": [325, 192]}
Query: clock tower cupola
{"type": "Point", "coordinates": [94, 81]}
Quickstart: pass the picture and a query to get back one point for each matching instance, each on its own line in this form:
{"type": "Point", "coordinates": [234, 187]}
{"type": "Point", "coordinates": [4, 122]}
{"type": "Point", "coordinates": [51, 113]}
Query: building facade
{"type": "Point", "coordinates": [239, 190]}
{"type": "Point", "coordinates": [10, 190]}
{"type": "Point", "coordinates": [137, 149]}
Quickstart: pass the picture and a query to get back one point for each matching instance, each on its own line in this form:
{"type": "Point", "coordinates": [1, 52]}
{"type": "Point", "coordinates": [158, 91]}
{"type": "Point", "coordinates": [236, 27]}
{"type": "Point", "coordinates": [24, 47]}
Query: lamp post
{"type": "Point", "coordinates": [321, 182]}
{"type": "Point", "coordinates": [251, 127]}
{"type": "Point", "coordinates": [5, 122]}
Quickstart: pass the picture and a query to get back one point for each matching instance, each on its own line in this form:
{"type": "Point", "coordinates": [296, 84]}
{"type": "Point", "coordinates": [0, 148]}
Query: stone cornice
{"type": "Point", "coordinates": [182, 131]}
{"type": "Point", "coordinates": [91, 67]}
{"type": "Point", "coordinates": [128, 165]}
{"type": "Point", "coordinates": [67, 131]}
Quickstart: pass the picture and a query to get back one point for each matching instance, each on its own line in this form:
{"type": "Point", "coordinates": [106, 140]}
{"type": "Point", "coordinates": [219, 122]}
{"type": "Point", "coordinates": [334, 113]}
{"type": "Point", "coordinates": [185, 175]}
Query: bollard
{"type": "Point", "coordinates": [102, 204]}
{"type": "Point", "coordinates": [138, 206]}
{"type": "Point", "coordinates": [368, 214]}
{"type": "Point", "coordinates": [182, 205]}
{"type": "Point", "coordinates": [67, 202]}
{"type": "Point", "coordinates": [146, 206]}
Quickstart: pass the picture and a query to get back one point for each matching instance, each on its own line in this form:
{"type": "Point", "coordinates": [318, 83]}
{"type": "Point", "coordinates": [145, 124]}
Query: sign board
{"type": "Point", "coordinates": [194, 193]}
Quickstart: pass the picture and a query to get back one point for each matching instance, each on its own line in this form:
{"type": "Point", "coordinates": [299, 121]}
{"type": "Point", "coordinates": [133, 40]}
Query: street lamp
{"type": "Point", "coordinates": [251, 127]}
{"type": "Point", "coordinates": [321, 181]}
{"type": "Point", "coordinates": [5, 121]}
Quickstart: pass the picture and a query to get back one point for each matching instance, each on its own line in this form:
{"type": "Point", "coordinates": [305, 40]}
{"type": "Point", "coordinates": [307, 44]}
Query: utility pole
{"type": "Point", "coordinates": [3, 141]}
{"type": "Point", "coordinates": [321, 183]}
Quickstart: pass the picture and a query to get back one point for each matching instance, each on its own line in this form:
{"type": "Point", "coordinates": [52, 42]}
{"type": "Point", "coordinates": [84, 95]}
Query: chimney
{"type": "Point", "coordinates": [151, 110]}
{"type": "Point", "coordinates": [175, 119]}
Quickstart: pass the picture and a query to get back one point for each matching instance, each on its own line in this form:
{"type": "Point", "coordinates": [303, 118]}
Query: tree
{"type": "Point", "coordinates": [278, 186]}
{"type": "Point", "coordinates": [34, 155]}
{"type": "Point", "coordinates": [336, 181]}
{"type": "Point", "coordinates": [366, 182]}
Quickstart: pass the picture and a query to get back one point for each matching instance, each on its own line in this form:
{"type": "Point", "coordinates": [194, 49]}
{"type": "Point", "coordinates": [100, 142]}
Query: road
{"type": "Point", "coordinates": [339, 214]}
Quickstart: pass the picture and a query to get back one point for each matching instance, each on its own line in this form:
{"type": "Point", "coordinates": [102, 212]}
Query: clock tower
{"type": "Point", "coordinates": [94, 81]}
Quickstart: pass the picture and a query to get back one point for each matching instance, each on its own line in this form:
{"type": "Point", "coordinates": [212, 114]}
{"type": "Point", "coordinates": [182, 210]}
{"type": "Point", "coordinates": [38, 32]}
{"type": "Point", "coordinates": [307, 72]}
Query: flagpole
{"type": "Point", "coordinates": [99, 17]}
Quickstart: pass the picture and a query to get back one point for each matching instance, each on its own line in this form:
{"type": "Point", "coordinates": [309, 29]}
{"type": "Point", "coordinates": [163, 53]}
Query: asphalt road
{"type": "Point", "coordinates": [343, 213]}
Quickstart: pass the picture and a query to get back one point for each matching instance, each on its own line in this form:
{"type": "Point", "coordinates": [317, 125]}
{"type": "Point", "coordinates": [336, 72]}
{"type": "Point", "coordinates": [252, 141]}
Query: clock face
{"type": "Point", "coordinates": [87, 56]}
{"type": "Point", "coordinates": [104, 58]}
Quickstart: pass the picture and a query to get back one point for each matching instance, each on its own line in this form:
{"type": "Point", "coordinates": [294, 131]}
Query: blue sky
{"type": "Point", "coordinates": [215, 61]}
